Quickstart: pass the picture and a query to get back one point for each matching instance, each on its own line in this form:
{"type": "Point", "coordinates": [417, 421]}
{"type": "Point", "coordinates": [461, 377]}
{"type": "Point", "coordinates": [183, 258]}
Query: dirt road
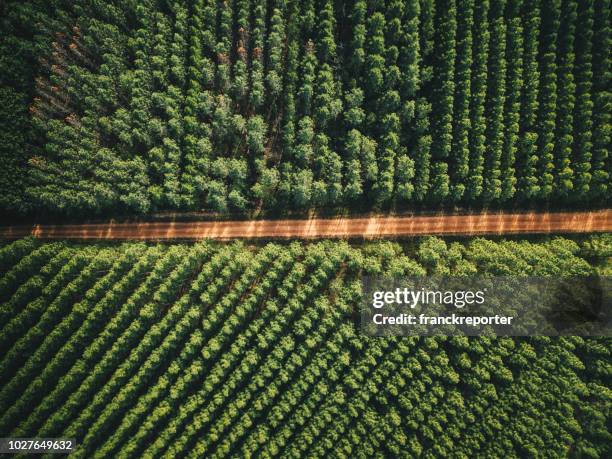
{"type": "Point", "coordinates": [372, 227]}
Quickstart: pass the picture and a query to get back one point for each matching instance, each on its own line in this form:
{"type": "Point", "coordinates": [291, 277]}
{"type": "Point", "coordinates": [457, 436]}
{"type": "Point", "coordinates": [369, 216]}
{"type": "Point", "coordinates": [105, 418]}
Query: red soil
{"type": "Point", "coordinates": [368, 227]}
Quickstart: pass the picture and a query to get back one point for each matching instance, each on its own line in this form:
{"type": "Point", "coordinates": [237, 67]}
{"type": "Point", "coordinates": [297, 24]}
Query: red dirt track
{"type": "Point", "coordinates": [368, 227]}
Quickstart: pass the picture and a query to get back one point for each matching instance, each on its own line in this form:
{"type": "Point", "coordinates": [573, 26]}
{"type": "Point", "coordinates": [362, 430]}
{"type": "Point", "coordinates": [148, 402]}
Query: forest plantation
{"type": "Point", "coordinates": [234, 105]}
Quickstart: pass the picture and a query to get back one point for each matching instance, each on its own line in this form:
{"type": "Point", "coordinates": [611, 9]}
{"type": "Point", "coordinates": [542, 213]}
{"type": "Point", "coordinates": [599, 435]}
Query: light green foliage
{"type": "Point", "coordinates": [217, 350]}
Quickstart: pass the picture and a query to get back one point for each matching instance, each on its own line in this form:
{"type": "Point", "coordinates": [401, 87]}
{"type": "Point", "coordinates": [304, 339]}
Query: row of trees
{"type": "Point", "coordinates": [226, 350]}
{"type": "Point", "coordinates": [188, 104]}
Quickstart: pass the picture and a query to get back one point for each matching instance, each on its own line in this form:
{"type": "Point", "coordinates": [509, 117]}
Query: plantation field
{"type": "Point", "coordinates": [245, 105]}
{"type": "Point", "coordinates": [232, 350]}
{"type": "Point", "coordinates": [421, 116]}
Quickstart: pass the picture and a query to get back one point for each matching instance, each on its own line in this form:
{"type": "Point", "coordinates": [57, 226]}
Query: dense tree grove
{"type": "Point", "coordinates": [228, 350]}
{"type": "Point", "coordinates": [236, 105]}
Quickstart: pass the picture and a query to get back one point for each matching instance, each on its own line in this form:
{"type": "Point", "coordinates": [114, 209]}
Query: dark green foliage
{"type": "Point", "coordinates": [228, 350]}
{"type": "Point", "coordinates": [443, 94]}
{"type": "Point", "coordinates": [526, 161]}
{"type": "Point", "coordinates": [547, 96]}
{"type": "Point", "coordinates": [514, 85]}
{"type": "Point", "coordinates": [583, 118]}
{"type": "Point", "coordinates": [460, 156]}
{"type": "Point", "coordinates": [566, 100]}
{"type": "Point", "coordinates": [602, 100]}
{"type": "Point", "coordinates": [496, 98]}
{"type": "Point", "coordinates": [477, 140]}
{"type": "Point", "coordinates": [137, 107]}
